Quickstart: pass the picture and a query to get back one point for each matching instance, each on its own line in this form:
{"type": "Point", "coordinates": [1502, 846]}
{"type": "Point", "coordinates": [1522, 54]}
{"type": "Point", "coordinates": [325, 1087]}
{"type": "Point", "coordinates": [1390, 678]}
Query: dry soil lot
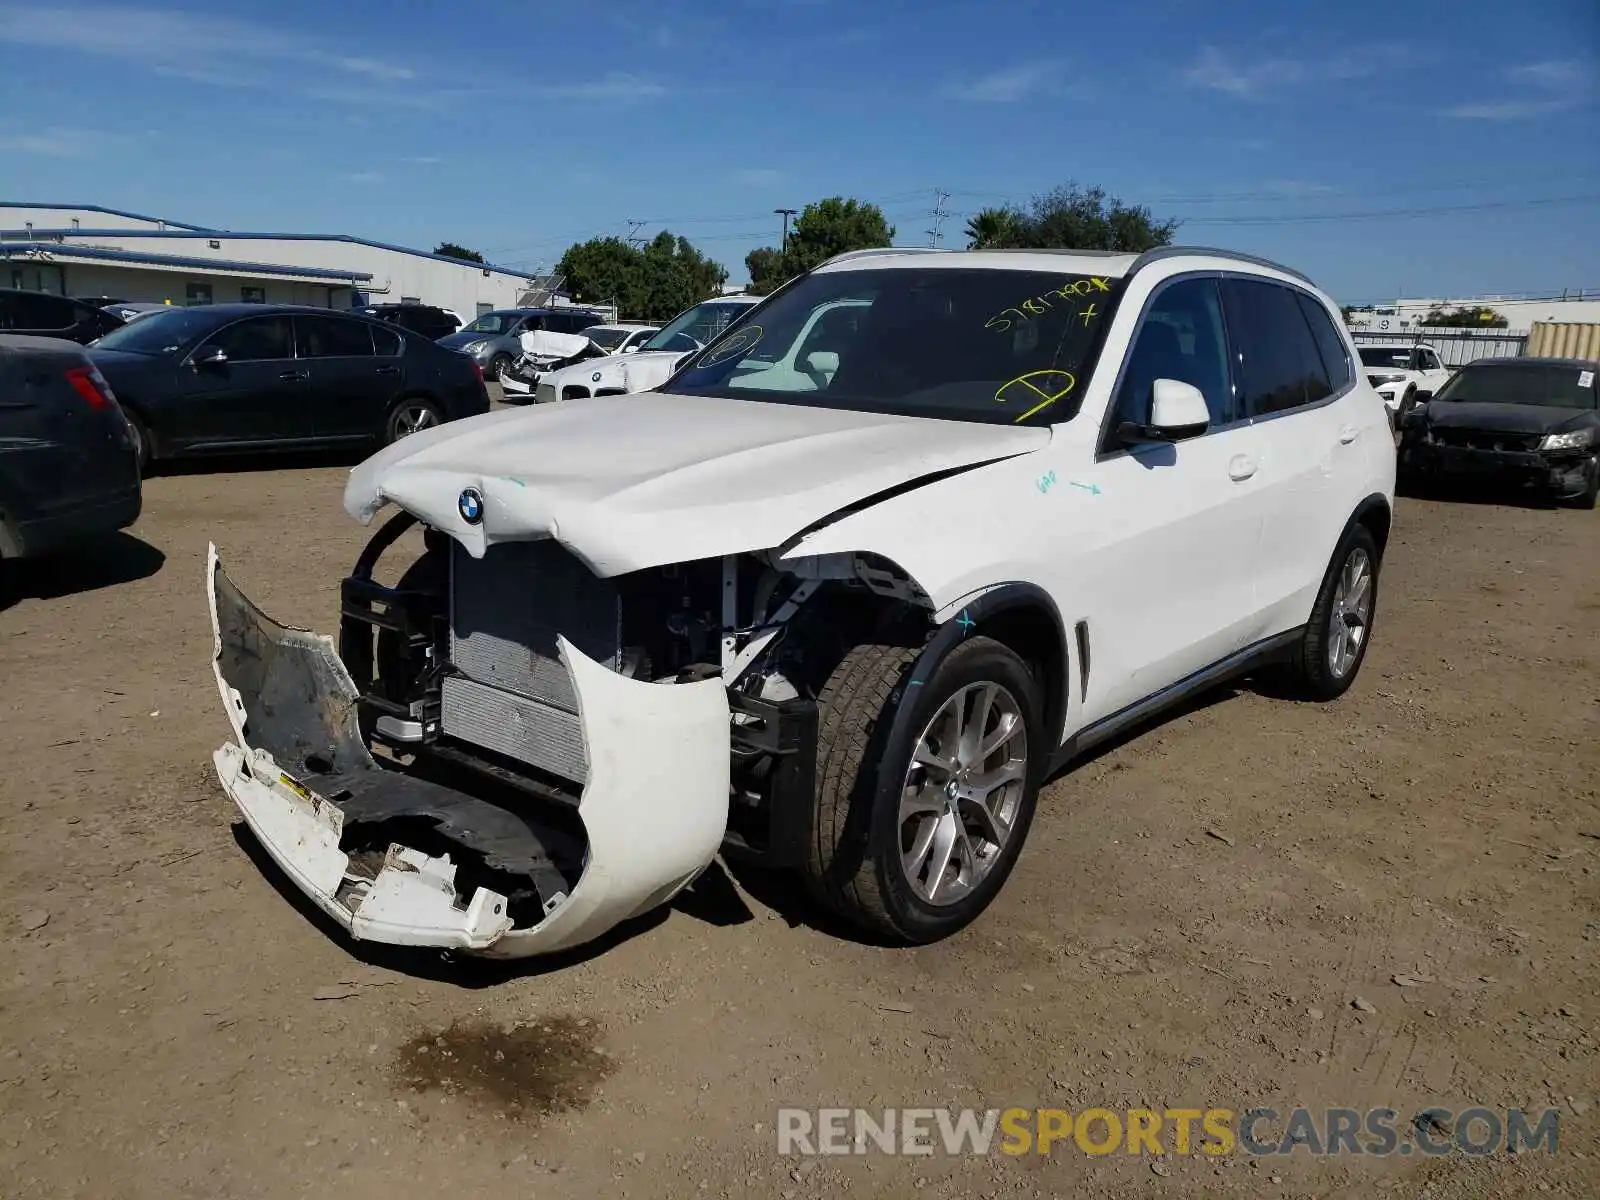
{"type": "Point", "coordinates": [1194, 918]}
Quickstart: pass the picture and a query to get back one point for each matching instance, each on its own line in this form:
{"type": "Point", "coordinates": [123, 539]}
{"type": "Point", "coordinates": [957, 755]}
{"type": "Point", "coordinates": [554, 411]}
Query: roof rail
{"type": "Point", "coordinates": [849, 254]}
{"type": "Point", "coordinates": [1162, 252]}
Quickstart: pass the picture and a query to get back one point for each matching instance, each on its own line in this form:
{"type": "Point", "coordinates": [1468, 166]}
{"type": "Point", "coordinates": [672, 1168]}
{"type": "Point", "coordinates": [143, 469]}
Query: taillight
{"type": "Point", "coordinates": [92, 386]}
{"type": "Point", "coordinates": [476, 369]}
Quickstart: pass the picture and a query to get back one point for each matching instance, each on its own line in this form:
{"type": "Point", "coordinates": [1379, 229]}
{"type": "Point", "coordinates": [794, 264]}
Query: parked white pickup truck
{"type": "Point", "coordinates": [1403, 375]}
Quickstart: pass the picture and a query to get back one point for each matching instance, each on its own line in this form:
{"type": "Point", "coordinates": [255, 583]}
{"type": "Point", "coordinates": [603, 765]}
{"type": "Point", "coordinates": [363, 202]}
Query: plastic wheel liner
{"type": "Point", "coordinates": [396, 858]}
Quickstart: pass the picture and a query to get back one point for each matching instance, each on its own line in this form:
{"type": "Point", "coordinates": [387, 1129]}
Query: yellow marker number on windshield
{"type": "Point", "coordinates": [1038, 389]}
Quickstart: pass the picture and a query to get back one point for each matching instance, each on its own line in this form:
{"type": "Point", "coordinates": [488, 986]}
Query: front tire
{"type": "Point", "coordinates": [1589, 496]}
{"type": "Point", "coordinates": [143, 452]}
{"type": "Point", "coordinates": [917, 829]}
{"type": "Point", "coordinates": [498, 366]}
{"type": "Point", "coordinates": [1330, 653]}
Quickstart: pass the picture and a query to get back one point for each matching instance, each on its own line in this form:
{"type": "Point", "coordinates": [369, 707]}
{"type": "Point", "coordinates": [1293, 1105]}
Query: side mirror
{"type": "Point", "coordinates": [822, 362]}
{"type": "Point", "coordinates": [631, 349]}
{"type": "Point", "coordinates": [1177, 411]}
{"type": "Point", "coordinates": [210, 356]}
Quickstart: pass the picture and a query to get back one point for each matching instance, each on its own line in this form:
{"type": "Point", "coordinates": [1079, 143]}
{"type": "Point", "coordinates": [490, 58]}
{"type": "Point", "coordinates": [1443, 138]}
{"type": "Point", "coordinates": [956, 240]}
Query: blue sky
{"type": "Point", "coordinates": [519, 126]}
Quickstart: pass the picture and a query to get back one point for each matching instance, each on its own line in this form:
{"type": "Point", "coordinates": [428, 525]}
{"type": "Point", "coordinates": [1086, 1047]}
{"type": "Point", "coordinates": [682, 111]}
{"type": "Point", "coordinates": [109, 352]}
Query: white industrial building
{"type": "Point", "coordinates": [1520, 312]}
{"type": "Point", "coordinates": [89, 251]}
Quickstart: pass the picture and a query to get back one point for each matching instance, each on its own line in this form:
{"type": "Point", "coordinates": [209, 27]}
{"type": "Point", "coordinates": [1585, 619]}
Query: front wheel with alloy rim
{"type": "Point", "coordinates": [412, 415]}
{"type": "Point", "coordinates": [919, 822]}
{"type": "Point", "coordinates": [1334, 645]}
{"type": "Point", "coordinates": [498, 366]}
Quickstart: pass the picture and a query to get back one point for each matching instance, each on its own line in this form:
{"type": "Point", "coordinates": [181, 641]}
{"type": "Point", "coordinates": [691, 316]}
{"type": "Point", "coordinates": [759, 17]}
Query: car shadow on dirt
{"type": "Point", "coordinates": [1445, 491]}
{"type": "Point", "coordinates": [284, 460]}
{"type": "Point", "coordinates": [712, 898]}
{"type": "Point", "coordinates": [100, 563]}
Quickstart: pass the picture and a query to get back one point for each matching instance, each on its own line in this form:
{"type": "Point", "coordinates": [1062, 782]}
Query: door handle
{"type": "Point", "coordinates": [1241, 466]}
{"type": "Point", "coordinates": [1348, 434]}
{"type": "Point", "coordinates": [388, 370]}
{"type": "Point", "coordinates": [292, 376]}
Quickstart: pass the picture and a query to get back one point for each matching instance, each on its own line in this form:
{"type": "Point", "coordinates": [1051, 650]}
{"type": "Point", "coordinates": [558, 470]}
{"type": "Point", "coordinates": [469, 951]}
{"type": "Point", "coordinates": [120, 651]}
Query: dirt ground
{"type": "Point", "coordinates": [1193, 920]}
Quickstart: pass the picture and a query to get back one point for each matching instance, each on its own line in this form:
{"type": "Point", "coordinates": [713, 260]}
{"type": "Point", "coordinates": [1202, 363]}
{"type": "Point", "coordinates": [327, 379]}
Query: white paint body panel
{"type": "Point", "coordinates": [638, 372]}
{"type": "Point", "coordinates": [654, 809]}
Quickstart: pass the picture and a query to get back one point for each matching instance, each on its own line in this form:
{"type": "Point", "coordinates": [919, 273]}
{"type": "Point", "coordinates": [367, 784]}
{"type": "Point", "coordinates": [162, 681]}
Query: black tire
{"type": "Point", "coordinates": [854, 856]}
{"type": "Point", "coordinates": [394, 425]}
{"type": "Point", "coordinates": [1588, 497]}
{"type": "Point", "coordinates": [143, 451]}
{"type": "Point", "coordinates": [1310, 672]}
{"type": "Point", "coordinates": [498, 366]}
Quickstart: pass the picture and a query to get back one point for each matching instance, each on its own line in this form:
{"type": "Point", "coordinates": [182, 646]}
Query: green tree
{"type": "Point", "coordinates": [456, 250]}
{"type": "Point", "coordinates": [655, 283]}
{"type": "Point", "coordinates": [766, 269]}
{"type": "Point", "coordinates": [1478, 316]}
{"type": "Point", "coordinates": [991, 229]}
{"type": "Point", "coordinates": [823, 229]}
{"type": "Point", "coordinates": [1073, 218]}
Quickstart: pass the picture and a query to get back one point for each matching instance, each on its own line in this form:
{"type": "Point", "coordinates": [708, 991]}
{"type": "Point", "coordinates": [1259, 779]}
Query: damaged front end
{"type": "Point", "coordinates": [395, 855]}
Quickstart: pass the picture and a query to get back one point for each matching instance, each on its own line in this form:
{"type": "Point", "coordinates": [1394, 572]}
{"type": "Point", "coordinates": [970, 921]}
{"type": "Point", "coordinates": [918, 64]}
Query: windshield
{"type": "Point", "coordinates": [1393, 357]}
{"type": "Point", "coordinates": [960, 343]}
{"type": "Point", "coordinates": [606, 339]}
{"type": "Point", "coordinates": [695, 328]}
{"type": "Point", "coordinates": [160, 332]}
{"type": "Point", "coordinates": [1556, 385]}
{"type": "Point", "coordinates": [494, 322]}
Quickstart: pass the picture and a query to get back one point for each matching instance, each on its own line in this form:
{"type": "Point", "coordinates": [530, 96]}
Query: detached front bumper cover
{"type": "Point", "coordinates": [653, 812]}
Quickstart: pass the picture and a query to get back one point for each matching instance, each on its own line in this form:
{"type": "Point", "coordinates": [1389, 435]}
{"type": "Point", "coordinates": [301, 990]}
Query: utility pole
{"type": "Point", "coordinates": [633, 239]}
{"type": "Point", "coordinates": [785, 213]}
{"type": "Point", "coordinates": [939, 214]}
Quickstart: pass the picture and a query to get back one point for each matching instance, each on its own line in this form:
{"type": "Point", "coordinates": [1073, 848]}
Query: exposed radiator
{"type": "Point", "coordinates": [512, 695]}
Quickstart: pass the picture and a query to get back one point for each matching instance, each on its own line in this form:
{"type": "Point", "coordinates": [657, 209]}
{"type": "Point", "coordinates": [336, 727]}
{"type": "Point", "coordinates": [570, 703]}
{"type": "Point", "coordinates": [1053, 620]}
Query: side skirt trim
{"type": "Point", "coordinates": [1270, 650]}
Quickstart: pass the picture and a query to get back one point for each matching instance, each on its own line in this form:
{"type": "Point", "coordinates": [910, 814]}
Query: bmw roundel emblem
{"type": "Point", "coordinates": [595, 378]}
{"type": "Point", "coordinates": [470, 505]}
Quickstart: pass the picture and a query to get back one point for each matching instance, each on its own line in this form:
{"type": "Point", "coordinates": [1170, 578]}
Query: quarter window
{"type": "Point", "coordinates": [385, 342]}
{"type": "Point", "coordinates": [329, 337]}
{"type": "Point", "coordinates": [1335, 359]}
{"type": "Point", "coordinates": [1279, 364]}
{"type": "Point", "coordinates": [41, 311]}
{"type": "Point", "coordinates": [252, 340]}
{"type": "Point", "coordinates": [1180, 338]}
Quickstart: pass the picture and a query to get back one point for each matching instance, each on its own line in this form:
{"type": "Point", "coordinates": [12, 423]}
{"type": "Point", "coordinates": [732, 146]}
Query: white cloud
{"type": "Point", "coordinates": [1250, 76]}
{"type": "Point", "coordinates": [1011, 84]}
{"type": "Point", "coordinates": [173, 41]}
{"type": "Point", "coordinates": [363, 177]}
{"type": "Point", "coordinates": [1547, 87]}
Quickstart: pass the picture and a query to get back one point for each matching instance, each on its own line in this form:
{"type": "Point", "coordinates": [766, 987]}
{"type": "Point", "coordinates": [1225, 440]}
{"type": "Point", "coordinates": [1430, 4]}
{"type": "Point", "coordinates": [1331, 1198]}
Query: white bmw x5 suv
{"type": "Point", "coordinates": [905, 538]}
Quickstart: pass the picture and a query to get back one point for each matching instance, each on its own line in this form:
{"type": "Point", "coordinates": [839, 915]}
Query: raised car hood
{"type": "Point", "coordinates": [628, 482]}
{"type": "Point", "coordinates": [1505, 418]}
{"type": "Point", "coordinates": [544, 343]}
{"type": "Point", "coordinates": [638, 372]}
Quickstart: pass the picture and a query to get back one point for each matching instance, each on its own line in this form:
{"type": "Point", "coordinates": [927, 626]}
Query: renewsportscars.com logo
{"type": "Point", "coordinates": [1213, 1131]}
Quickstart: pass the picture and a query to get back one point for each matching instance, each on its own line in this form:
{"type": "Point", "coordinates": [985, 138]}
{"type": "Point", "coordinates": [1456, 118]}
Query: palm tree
{"type": "Point", "coordinates": [991, 229]}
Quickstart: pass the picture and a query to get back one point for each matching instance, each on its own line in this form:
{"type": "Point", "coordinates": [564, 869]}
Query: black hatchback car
{"type": "Point", "coordinates": [233, 377]}
{"type": "Point", "coordinates": [432, 323]}
{"type": "Point", "coordinates": [1531, 422]}
{"type": "Point", "coordinates": [41, 314]}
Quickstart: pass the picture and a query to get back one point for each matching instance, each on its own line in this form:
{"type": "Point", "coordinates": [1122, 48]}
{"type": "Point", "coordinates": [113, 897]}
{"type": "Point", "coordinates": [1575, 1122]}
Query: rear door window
{"type": "Point", "coordinates": [1278, 360]}
{"type": "Point", "coordinates": [332, 337]}
{"type": "Point", "coordinates": [1335, 358]}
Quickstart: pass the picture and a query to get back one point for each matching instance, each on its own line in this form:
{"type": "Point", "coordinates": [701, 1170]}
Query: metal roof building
{"type": "Point", "coordinates": [86, 250]}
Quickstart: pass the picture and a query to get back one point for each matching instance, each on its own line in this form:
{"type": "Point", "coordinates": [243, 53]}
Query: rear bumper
{"type": "Point", "coordinates": [92, 517]}
{"type": "Point", "coordinates": [1565, 474]}
{"type": "Point", "coordinates": [396, 858]}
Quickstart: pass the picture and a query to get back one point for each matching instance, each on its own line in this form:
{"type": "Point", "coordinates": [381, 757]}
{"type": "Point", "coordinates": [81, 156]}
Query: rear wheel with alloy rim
{"type": "Point", "coordinates": [916, 830]}
{"type": "Point", "coordinates": [412, 415]}
{"type": "Point", "coordinates": [1336, 638]}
